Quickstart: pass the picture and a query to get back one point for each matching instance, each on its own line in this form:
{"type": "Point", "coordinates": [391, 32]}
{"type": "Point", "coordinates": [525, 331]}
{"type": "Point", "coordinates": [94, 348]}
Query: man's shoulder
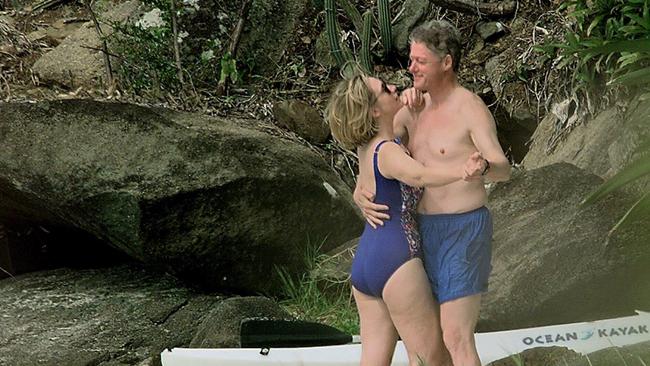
{"type": "Point", "coordinates": [472, 109]}
{"type": "Point", "coordinates": [467, 95]}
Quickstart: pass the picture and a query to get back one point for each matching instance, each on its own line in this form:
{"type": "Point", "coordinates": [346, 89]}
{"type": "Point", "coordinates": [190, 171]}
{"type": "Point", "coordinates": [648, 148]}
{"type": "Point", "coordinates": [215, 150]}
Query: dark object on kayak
{"type": "Point", "coordinates": [289, 333]}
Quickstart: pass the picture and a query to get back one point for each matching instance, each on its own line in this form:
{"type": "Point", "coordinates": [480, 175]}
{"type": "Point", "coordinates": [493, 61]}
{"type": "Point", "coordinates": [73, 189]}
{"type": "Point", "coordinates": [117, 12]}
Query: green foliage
{"type": "Point", "coordinates": [609, 44]}
{"type": "Point", "coordinates": [636, 170]}
{"type": "Point", "coordinates": [228, 69]}
{"type": "Point", "coordinates": [146, 60]}
{"type": "Point", "coordinates": [313, 299]}
{"type": "Point", "coordinates": [517, 359]}
{"type": "Point", "coordinates": [608, 39]}
{"type": "Point", "coordinates": [145, 52]}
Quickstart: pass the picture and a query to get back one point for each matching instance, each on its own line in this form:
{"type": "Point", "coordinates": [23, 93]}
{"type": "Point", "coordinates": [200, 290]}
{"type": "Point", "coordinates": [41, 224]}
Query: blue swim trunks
{"type": "Point", "coordinates": [457, 252]}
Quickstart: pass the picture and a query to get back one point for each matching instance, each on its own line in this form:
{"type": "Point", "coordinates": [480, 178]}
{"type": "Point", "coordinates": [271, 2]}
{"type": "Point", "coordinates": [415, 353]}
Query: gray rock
{"type": "Point", "coordinates": [489, 31]}
{"type": "Point", "coordinates": [542, 356]}
{"type": "Point", "coordinates": [269, 27]}
{"type": "Point", "coordinates": [323, 55]}
{"type": "Point", "coordinates": [338, 265]}
{"type": "Point", "coordinates": [77, 61]}
{"type": "Point", "coordinates": [603, 145]}
{"type": "Point", "coordinates": [553, 261]}
{"type": "Point", "coordinates": [7, 20]}
{"type": "Point", "coordinates": [113, 316]}
{"type": "Point", "coordinates": [221, 327]}
{"type": "Point", "coordinates": [496, 73]}
{"type": "Point", "coordinates": [637, 354]}
{"type": "Point", "coordinates": [412, 13]}
{"type": "Point", "coordinates": [213, 202]}
{"type": "Point", "coordinates": [303, 119]}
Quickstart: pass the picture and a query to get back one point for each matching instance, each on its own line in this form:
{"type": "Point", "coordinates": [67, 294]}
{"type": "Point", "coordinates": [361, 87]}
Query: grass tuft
{"type": "Point", "coordinates": [316, 299]}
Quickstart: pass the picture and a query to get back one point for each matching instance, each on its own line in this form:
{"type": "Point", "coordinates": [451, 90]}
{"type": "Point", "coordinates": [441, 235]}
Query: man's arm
{"type": "Point", "coordinates": [371, 211]}
{"type": "Point", "coordinates": [483, 132]}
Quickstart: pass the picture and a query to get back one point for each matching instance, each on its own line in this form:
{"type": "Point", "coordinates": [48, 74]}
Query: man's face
{"type": "Point", "coordinates": [424, 65]}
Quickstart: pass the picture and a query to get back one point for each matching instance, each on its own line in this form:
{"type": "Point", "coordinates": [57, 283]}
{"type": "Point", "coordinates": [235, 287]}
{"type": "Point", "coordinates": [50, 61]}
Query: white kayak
{"type": "Point", "coordinates": [584, 338]}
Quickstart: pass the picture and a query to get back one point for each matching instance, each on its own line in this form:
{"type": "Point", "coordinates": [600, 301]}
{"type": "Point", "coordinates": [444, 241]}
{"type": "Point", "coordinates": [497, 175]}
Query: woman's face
{"type": "Point", "coordinates": [387, 101]}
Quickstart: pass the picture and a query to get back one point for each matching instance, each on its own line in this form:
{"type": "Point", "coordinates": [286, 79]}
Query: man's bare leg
{"type": "Point", "coordinates": [458, 320]}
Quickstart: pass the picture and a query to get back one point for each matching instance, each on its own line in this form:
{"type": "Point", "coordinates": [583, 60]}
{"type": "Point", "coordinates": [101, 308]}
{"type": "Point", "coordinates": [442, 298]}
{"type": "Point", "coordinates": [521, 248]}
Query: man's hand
{"type": "Point", "coordinates": [413, 99]}
{"type": "Point", "coordinates": [474, 167]}
{"type": "Point", "coordinates": [369, 209]}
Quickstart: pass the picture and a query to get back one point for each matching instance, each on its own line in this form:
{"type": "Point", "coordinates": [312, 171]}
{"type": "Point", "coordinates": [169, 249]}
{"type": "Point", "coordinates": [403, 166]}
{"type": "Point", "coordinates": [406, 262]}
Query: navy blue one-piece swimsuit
{"type": "Point", "coordinates": [383, 250]}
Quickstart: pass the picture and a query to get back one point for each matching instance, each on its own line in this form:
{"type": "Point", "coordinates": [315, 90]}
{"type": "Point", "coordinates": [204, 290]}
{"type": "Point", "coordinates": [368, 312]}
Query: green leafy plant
{"type": "Point", "coordinates": [314, 299]}
{"type": "Point", "coordinates": [228, 69]}
{"type": "Point", "coordinates": [606, 41]}
{"type": "Point", "coordinates": [145, 51]}
{"type": "Point", "coordinates": [158, 70]}
{"type": "Point", "coordinates": [636, 170]}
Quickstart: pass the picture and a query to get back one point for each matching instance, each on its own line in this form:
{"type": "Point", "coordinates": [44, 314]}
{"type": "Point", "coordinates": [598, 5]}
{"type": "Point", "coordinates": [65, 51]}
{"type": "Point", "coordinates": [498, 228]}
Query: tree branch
{"type": "Point", "coordinates": [491, 10]}
{"type": "Point", "coordinates": [177, 52]}
{"type": "Point", "coordinates": [100, 34]}
{"type": "Point", "coordinates": [221, 88]}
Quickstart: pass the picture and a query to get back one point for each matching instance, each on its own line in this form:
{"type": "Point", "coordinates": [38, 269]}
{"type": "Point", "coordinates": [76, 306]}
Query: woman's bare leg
{"type": "Point", "coordinates": [415, 314]}
{"type": "Point", "coordinates": [378, 335]}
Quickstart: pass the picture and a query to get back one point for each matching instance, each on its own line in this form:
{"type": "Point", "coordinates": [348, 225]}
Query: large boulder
{"type": "Point", "coordinates": [214, 202]}
{"type": "Point", "coordinates": [629, 355]}
{"type": "Point", "coordinates": [411, 14]}
{"type": "Point", "coordinates": [602, 145]}
{"type": "Point", "coordinates": [114, 316]}
{"type": "Point", "coordinates": [303, 119]}
{"type": "Point", "coordinates": [222, 326]}
{"type": "Point", "coordinates": [554, 261]}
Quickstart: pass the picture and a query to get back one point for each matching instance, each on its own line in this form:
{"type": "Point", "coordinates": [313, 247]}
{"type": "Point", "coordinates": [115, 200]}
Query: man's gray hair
{"type": "Point", "coordinates": [441, 37]}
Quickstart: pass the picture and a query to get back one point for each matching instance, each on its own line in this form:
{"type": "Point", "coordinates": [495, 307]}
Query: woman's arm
{"type": "Point", "coordinates": [395, 163]}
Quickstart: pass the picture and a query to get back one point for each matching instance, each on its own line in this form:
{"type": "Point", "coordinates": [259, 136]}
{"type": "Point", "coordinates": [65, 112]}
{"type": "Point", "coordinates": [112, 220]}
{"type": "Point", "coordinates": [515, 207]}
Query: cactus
{"type": "Point", "coordinates": [353, 13]}
{"type": "Point", "coordinates": [384, 26]}
{"type": "Point", "coordinates": [366, 32]}
{"type": "Point", "coordinates": [331, 27]}
{"type": "Point", "coordinates": [363, 25]}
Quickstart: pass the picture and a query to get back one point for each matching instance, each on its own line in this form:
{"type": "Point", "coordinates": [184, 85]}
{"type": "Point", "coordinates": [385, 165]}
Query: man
{"type": "Point", "coordinates": [442, 123]}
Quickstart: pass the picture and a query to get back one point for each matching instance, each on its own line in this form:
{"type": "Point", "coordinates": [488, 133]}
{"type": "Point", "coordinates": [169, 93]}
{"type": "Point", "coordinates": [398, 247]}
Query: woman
{"type": "Point", "coordinates": [389, 283]}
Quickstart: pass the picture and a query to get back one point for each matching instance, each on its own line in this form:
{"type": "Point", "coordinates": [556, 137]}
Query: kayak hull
{"type": "Point", "coordinates": [584, 338]}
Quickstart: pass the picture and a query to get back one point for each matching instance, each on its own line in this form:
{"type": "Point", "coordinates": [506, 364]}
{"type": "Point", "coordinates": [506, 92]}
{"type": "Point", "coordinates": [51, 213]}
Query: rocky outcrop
{"type": "Point", "coordinates": [78, 60]}
{"type": "Point", "coordinates": [412, 13]}
{"type": "Point", "coordinates": [121, 315]}
{"type": "Point", "coordinates": [271, 27]}
{"type": "Point", "coordinates": [628, 355]}
{"type": "Point", "coordinates": [222, 326]}
{"type": "Point", "coordinates": [553, 261]}
{"type": "Point", "coordinates": [303, 119]}
{"type": "Point", "coordinates": [213, 202]}
{"type": "Point", "coordinates": [603, 145]}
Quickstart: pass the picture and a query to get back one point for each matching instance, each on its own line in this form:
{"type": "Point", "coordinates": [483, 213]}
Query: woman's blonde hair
{"type": "Point", "coordinates": [349, 114]}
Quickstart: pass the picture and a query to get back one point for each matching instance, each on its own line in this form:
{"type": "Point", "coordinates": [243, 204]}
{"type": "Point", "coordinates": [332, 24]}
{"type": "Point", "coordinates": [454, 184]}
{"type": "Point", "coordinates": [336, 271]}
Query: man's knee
{"type": "Point", "coordinates": [457, 339]}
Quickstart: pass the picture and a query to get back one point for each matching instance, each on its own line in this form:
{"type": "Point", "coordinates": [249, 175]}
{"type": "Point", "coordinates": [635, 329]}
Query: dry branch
{"type": "Point", "coordinates": [100, 34]}
{"type": "Point", "coordinates": [221, 88]}
{"type": "Point", "coordinates": [46, 4]}
{"type": "Point", "coordinates": [177, 52]}
{"type": "Point", "coordinates": [492, 10]}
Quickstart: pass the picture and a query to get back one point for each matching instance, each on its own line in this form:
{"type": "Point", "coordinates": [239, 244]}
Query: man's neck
{"type": "Point", "coordinates": [441, 90]}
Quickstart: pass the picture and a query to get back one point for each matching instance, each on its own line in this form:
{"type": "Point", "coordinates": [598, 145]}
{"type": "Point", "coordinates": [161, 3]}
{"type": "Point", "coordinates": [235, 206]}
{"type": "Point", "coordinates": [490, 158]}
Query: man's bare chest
{"type": "Point", "coordinates": [440, 138]}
